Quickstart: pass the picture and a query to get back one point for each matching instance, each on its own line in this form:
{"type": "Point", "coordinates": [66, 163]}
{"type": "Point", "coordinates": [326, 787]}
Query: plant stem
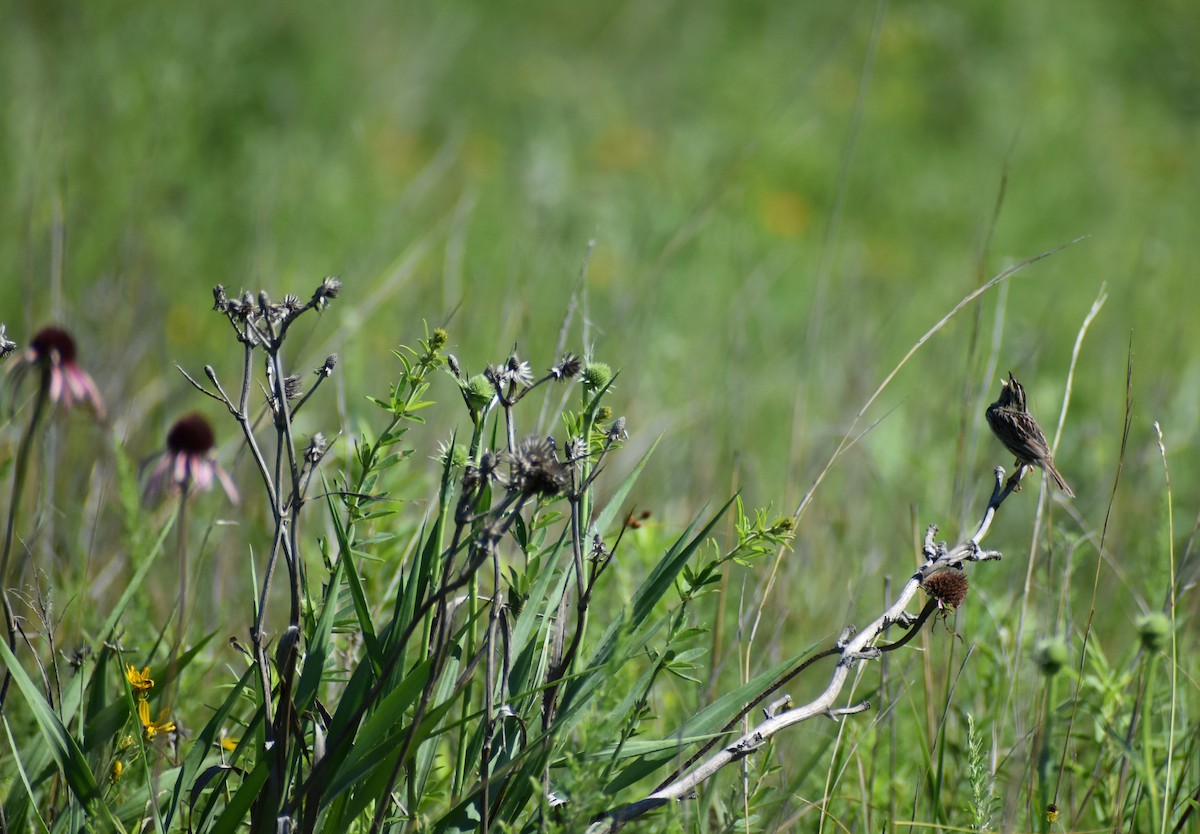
{"type": "Point", "coordinates": [20, 472]}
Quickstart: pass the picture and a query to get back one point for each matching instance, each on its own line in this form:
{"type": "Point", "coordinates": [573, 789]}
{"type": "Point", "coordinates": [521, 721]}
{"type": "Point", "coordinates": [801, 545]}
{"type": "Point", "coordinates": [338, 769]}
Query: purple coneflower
{"type": "Point", "coordinates": [188, 460]}
{"type": "Point", "coordinates": [52, 351]}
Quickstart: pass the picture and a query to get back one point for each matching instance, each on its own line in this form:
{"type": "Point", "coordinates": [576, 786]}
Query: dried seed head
{"type": "Point", "coordinates": [569, 366]}
{"type": "Point", "coordinates": [616, 432]}
{"type": "Point", "coordinates": [317, 447]}
{"type": "Point", "coordinates": [475, 475]}
{"type": "Point", "coordinates": [576, 449]}
{"type": "Point", "coordinates": [326, 370]}
{"type": "Point", "coordinates": [220, 302]}
{"type": "Point", "coordinates": [599, 551]}
{"type": "Point", "coordinates": [330, 289]}
{"type": "Point", "coordinates": [490, 533]}
{"type": "Point", "coordinates": [494, 376]}
{"type": "Point", "coordinates": [7, 345]}
{"type": "Point", "coordinates": [949, 586]}
{"type": "Point", "coordinates": [517, 371]}
{"type": "Point", "coordinates": [534, 469]}
{"type": "Point", "coordinates": [292, 386]}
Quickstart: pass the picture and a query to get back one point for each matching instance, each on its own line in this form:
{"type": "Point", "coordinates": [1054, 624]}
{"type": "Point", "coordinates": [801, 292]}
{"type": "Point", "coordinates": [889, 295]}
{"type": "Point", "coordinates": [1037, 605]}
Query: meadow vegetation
{"type": "Point", "coordinates": [610, 419]}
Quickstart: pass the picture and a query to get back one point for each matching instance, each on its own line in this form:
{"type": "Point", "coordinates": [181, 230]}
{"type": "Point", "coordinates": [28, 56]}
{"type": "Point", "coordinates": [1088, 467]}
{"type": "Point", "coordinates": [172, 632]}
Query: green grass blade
{"type": "Point", "coordinates": [238, 809]}
{"type": "Point", "coordinates": [132, 588]}
{"type": "Point", "coordinates": [62, 746]}
{"type": "Point", "coordinates": [203, 744]}
{"type": "Point", "coordinates": [354, 584]}
{"type": "Point", "coordinates": [606, 516]}
{"type": "Point", "coordinates": [24, 778]}
{"type": "Point", "coordinates": [377, 735]}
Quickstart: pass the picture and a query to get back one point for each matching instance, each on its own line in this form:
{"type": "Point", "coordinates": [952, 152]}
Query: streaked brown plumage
{"type": "Point", "coordinates": [1019, 432]}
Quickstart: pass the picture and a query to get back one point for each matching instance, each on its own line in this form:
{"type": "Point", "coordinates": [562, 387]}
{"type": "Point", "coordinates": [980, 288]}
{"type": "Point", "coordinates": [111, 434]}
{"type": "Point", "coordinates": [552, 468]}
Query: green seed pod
{"type": "Point", "coordinates": [596, 375]}
{"type": "Point", "coordinates": [1154, 631]}
{"type": "Point", "coordinates": [478, 392]}
{"type": "Point", "coordinates": [1051, 655]}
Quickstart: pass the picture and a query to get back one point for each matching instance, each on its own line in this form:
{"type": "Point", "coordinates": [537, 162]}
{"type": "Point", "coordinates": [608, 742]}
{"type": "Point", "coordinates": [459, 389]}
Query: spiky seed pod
{"type": "Point", "coordinates": [596, 375]}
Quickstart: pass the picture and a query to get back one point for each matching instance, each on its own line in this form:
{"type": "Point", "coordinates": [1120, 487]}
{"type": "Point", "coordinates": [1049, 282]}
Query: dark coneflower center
{"type": "Point", "coordinates": [54, 340]}
{"type": "Point", "coordinates": [190, 435]}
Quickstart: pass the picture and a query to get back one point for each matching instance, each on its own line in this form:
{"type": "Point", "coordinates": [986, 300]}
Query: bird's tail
{"type": "Point", "coordinates": [1058, 479]}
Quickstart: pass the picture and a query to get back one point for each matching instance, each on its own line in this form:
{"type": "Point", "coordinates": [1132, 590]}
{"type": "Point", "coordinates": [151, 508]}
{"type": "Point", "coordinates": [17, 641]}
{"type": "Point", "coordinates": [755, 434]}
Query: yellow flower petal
{"type": "Point", "coordinates": [140, 682]}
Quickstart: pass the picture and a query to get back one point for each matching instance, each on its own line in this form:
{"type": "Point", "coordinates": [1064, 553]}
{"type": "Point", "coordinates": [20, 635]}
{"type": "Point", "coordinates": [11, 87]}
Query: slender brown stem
{"type": "Point", "coordinates": [20, 472]}
{"type": "Point", "coordinates": [181, 549]}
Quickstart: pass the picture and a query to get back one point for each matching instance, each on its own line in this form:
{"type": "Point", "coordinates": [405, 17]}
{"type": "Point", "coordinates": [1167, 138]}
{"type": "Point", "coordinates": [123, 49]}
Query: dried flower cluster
{"type": "Point", "coordinates": [948, 586]}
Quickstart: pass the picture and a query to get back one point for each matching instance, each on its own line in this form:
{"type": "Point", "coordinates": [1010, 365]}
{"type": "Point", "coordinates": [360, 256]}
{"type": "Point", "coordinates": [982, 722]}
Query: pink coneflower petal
{"type": "Point", "coordinates": [75, 384]}
{"type": "Point", "coordinates": [52, 350]}
{"type": "Point", "coordinates": [85, 389]}
{"type": "Point", "coordinates": [56, 385]}
{"type": "Point", "coordinates": [226, 483]}
{"type": "Point", "coordinates": [180, 470]}
{"type": "Point", "coordinates": [188, 460]}
{"type": "Point", "coordinates": [156, 484]}
{"type": "Point", "coordinates": [202, 472]}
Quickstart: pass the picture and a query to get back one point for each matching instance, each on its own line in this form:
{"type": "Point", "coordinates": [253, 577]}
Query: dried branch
{"type": "Point", "coordinates": [853, 648]}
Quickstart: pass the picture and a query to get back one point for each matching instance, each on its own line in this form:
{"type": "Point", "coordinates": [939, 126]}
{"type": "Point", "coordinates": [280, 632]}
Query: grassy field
{"type": "Point", "coordinates": [753, 211]}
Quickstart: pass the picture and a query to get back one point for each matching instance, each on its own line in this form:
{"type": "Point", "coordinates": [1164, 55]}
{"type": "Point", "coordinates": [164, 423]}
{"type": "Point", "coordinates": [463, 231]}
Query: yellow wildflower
{"type": "Point", "coordinates": [152, 728]}
{"type": "Point", "coordinates": [139, 681]}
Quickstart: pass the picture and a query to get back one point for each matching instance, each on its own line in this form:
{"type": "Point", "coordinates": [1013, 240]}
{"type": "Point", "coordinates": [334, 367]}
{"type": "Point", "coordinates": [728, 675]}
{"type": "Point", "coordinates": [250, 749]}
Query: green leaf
{"type": "Point", "coordinates": [377, 736]}
{"type": "Point", "coordinates": [62, 746]}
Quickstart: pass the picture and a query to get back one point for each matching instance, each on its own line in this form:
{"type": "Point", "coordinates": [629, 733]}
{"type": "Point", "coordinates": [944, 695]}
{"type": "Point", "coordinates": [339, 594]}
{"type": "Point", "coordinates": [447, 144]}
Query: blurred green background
{"type": "Point", "coordinates": [782, 197]}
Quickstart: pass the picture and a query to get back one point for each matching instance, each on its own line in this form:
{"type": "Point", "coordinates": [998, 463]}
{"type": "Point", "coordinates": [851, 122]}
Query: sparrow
{"type": "Point", "coordinates": [1011, 421]}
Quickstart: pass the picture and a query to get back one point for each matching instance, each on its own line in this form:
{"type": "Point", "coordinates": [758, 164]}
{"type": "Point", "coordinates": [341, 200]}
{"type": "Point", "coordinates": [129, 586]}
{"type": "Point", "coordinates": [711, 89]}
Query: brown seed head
{"type": "Point", "coordinates": [949, 586]}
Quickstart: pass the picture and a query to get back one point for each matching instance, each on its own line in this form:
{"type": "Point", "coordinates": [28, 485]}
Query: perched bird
{"type": "Point", "coordinates": [1019, 432]}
